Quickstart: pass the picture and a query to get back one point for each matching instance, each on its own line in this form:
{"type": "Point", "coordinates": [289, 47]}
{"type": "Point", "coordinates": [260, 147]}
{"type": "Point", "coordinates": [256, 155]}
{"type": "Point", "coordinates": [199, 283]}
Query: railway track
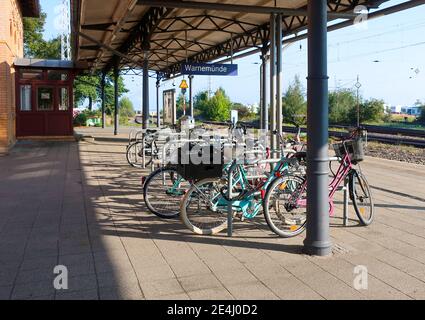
{"type": "Point", "coordinates": [407, 137]}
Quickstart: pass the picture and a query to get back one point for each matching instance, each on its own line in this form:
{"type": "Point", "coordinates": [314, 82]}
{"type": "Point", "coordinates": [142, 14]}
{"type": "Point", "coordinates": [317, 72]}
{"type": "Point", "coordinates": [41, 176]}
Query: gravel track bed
{"type": "Point", "coordinates": [396, 152]}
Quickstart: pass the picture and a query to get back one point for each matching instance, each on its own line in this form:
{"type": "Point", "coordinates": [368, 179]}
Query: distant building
{"type": "Point", "coordinates": [396, 109]}
{"type": "Point", "coordinates": [414, 111]}
{"type": "Point", "coordinates": [407, 110]}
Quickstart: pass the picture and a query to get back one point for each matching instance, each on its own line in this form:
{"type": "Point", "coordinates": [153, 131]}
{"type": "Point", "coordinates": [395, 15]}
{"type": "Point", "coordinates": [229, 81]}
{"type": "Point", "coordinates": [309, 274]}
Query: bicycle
{"type": "Point", "coordinates": [134, 150]}
{"type": "Point", "coordinates": [285, 202]}
{"type": "Point", "coordinates": [205, 205]}
{"type": "Point", "coordinates": [164, 187]}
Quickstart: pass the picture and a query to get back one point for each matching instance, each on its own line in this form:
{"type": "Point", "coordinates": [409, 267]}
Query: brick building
{"type": "Point", "coordinates": [11, 47]}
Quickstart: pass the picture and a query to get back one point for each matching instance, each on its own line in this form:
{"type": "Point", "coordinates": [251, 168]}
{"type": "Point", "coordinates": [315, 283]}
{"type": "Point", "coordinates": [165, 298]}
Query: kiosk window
{"type": "Point", "coordinates": [45, 99]}
{"type": "Point", "coordinates": [63, 99]}
{"type": "Point", "coordinates": [26, 98]}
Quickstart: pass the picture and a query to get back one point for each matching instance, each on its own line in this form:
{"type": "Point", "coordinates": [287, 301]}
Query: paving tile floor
{"type": "Point", "coordinates": [80, 205]}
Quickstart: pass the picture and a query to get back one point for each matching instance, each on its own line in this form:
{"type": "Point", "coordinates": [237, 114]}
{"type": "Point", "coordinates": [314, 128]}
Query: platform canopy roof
{"type": "Point", "coordinates": [30, 8]}
{"type": "Point", "coordinates": [171, 32]}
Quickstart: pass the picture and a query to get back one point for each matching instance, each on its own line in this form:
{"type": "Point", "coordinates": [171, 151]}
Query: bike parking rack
{"type": "Point", "coordinates": [230, 193]}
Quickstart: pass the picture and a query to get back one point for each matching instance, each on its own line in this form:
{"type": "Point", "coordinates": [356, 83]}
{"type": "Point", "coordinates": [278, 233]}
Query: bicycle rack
{"type": "Point", "coordinates": [230, 197]}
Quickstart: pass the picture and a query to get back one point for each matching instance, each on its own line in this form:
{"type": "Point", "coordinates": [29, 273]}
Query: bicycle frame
{"type": "Point", "coordinates": [246, 205]}
{"type": "Point", "coordinates": [343, 171]}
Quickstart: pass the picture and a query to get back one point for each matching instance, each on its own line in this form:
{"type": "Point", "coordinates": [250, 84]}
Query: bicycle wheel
{"type": "Point", "coordinates": [284, 206]}
{"type": "Point", "coordinates": [134, 155]}
{"type": "Point", "coordinates": [162, 192]}
{"type": "Point", "coordinates": [203, 209]}
{"type": "Point", "coordinates": [361, 196]}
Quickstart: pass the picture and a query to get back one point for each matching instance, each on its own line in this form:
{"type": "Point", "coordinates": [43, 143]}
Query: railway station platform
{"type": "Point", "coordinates": [79, 204]}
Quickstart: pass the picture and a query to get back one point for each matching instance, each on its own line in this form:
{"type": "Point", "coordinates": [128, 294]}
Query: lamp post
{"type": "Point", "coordinates": [358, 85]}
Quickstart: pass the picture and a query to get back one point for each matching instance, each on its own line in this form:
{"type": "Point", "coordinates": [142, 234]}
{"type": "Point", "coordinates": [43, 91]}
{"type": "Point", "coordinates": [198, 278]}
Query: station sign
{"type": "Point", "coordinates": [209, 69]}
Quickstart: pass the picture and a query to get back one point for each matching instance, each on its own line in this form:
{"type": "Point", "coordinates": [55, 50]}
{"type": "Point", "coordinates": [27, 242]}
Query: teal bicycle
{"type": "Point", "coordinates": [204, 207]}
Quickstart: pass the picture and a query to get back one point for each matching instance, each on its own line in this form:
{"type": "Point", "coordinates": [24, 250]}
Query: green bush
{"type": "Point", "coordinates": [80, 120]}
{"type": "Point", "coordinates": [370, 111]}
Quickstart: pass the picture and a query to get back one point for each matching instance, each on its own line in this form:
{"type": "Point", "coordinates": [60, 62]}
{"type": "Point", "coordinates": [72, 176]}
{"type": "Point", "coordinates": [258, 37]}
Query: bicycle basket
{"type": "Point", "coordinates": [199, 163]}
{"type": "Point", "coordinates": [354, 148]}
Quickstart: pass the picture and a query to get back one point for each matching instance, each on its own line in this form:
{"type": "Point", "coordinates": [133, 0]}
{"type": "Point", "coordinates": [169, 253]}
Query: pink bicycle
{"type": "Point", "coordinates": [285, 202]}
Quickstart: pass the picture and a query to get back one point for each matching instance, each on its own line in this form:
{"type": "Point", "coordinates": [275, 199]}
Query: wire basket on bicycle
{"type": "Point", "coordinates": [197, 162]}
{"type": "Point", "coordinates": [354, 147]}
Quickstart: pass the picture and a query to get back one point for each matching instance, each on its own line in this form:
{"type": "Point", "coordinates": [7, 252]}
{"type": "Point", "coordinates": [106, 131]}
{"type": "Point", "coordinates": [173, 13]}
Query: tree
{"type": "Point", "coordinates": [215, 108]}
{"type": "Point", "coordinates": [370, 110]}
{"type": "Point", "coordinates": [200, 103]}
{"type": "Point", "coordinates": [34, 44]}
{"type": "Point", "coordinates": [89, 87]}
{"type": "Point", "coordinates": [126, 108]}
{"type": "Point", "coordinates": [181, 103]}
{"type": "Point", "coordinates": [219, 106]}
{"type": "Point", "coordinates": [294, 104]}
{"type": "Point", "coordinates": [341, 103]}
{"type": "Point", "coordinates": [110, 92]}
{"type": "Point", "coordinates": [85, 87]}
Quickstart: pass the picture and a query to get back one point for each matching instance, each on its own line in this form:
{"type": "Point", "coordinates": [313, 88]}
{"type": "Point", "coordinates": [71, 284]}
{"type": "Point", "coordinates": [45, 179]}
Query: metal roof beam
{"type": "Point", "coordinates": [140, 35]}
{"type": "Point", "coordinates": [237, 8]}
{"type": "Point", "coordinates": [98, 26]}
{"type": "Point", "coordinates": [100, 44]}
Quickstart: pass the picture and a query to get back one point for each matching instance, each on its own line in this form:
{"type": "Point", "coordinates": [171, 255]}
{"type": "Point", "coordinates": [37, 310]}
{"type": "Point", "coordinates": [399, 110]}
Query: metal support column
{"type": "Point", "coordinates": [272, 81]}
{"type": "Point", "coordinates": [145, 103]}
{"type": "Point", "coordinates": [279, 110]}
{"type": "Point", "coordinates": [158, 113]}
{"type": "Point", "coordinates": [264, 106]}
{"type": "Point", "coordinates": [103, 97]}
{"type": "Point", "coordinates": [192, 114]}
{"type": "Point", "coordinates": [261, 97]}
{"type": "Point", "coordinates": [116, 97]}
{"type": "Point", "coordinates": [317, 241]}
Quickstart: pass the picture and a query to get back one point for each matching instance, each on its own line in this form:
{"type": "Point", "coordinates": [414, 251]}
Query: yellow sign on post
{"type": "Point", "coordinates": [184, 85]}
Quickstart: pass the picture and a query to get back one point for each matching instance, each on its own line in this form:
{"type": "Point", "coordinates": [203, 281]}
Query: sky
{"type": "Point", "coordinates": [387, 55]}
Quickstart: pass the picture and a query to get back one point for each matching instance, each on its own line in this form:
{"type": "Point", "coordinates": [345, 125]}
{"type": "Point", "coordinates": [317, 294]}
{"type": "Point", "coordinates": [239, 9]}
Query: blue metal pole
{"type": "Point", "coordinates": [192, 113]}
{"type": "Point", "coordinates": [116, 97]}
{"type": "Point", "coordinates": [317, 241]}
{"type": "Point", "coordinates": [145, 102]}
{"type": "Point", "coordinates": [103, 99]}
{"type": "Point", "coordinates": [272, 81]}
{"type": "Point", "coordinates": [158, 115]}
{"type": "Point", "coordinates": [264, 106]}
{"type": "Point", "coordinates": [279, 102]}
